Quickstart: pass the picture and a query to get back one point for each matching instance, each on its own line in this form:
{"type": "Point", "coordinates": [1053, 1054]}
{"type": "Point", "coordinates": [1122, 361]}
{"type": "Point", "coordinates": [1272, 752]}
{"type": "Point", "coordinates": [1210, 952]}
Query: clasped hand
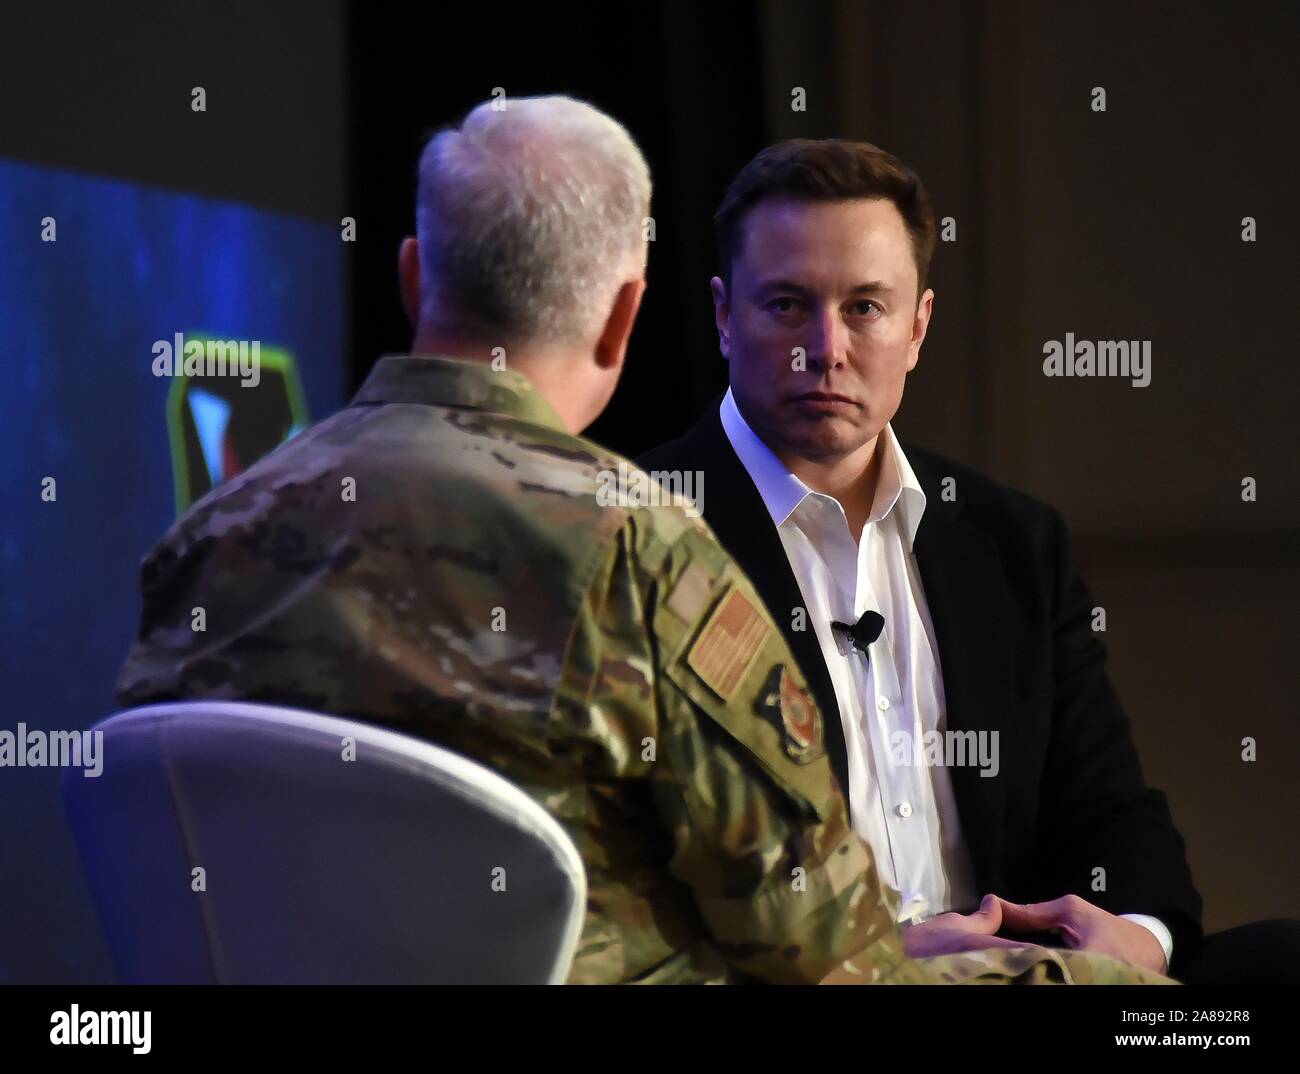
{"type": "Point", "coordinates": [1081, 925]}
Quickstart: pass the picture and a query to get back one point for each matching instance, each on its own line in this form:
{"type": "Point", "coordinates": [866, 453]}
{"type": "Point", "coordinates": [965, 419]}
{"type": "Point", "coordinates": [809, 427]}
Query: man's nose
{"type": "Point", "coordinates": [826, 341]}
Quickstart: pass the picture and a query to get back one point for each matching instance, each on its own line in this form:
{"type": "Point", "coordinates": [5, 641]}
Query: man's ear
{"type": "Point", "coordinates": [408, 278]}
{"type": "Point", "coordinates": [920, 325]}
{"type": "Point", "coordinates": [611, 347]}
{"type": "Point", "coordinates": [721, 315]}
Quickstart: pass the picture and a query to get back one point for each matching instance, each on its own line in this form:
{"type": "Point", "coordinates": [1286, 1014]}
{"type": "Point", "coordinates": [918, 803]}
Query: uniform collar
{"type": "Point", "coordinates": [441, 380]}
{"type": "Point", "coordinates": [782, 492]}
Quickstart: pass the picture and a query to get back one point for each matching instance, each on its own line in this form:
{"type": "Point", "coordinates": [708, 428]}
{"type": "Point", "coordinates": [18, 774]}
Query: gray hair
{"type": "Point", "coordinates": [529, 218]}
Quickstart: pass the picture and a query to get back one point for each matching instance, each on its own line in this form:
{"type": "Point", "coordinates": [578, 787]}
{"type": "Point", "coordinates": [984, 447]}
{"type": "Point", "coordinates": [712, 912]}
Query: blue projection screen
{"type": "Point", "coordinates": [94, 274]}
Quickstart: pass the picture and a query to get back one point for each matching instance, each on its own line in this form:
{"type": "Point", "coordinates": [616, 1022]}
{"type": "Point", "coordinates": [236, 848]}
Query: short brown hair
{"type": "Point", "coordinates": [826, 169]}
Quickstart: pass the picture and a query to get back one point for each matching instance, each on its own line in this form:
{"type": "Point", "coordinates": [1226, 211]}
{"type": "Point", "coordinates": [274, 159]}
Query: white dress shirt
{"type": "Point", "coordinates": [906, 812]}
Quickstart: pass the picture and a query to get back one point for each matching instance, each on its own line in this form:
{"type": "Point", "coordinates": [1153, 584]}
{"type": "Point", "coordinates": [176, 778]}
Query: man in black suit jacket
{"type": "Point", "coordinates": [1010, 617]}
{"type": "Point", "coordinates": [821, 311]}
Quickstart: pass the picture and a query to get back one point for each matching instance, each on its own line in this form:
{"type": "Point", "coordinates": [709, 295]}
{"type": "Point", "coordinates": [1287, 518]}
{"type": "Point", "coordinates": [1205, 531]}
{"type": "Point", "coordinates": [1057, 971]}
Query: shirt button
{"type": "Point", "coordinates": [904, 809]}
{"type": "Point", "coordinates": [882, 703]}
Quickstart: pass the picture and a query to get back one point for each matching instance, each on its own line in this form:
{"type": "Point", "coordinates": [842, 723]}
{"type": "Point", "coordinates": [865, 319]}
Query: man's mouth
{"type": "Point", "coordinates": [823, 402]}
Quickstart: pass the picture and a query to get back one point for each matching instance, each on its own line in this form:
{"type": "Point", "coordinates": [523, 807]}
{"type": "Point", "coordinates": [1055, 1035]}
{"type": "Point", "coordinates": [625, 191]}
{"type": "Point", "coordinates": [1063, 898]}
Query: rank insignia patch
{"type": "Point", "coordinates": [792, 711]}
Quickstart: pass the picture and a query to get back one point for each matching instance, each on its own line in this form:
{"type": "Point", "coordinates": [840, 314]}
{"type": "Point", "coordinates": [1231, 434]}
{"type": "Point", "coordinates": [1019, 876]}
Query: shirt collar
{"type": "Point", "coordinates": [782, 492]}
{"type": "Point", "coordinates": [441, 380]}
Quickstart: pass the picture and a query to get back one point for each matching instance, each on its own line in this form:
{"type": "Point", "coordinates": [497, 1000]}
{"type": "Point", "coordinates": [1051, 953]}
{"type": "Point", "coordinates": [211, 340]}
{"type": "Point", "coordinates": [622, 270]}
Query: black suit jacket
{"type": "Point", "coordinates": [1018, 655]}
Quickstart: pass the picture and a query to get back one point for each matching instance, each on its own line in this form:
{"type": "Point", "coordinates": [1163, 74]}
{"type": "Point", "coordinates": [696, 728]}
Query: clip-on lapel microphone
{"type": "Point", "coordinates": [862, 633]}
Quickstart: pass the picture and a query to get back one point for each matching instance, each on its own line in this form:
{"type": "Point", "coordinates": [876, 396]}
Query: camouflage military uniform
{"type": "Point", "coordinates": [434, 558]}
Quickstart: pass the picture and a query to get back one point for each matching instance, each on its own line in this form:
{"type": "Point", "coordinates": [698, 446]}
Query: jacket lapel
{"type": "Point", "coordinates": [960, 571]}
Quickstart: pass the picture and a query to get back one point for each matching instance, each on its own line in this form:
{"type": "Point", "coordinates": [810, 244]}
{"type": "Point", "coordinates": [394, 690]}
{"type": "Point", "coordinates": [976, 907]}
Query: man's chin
{"type": "Point", "coordinates": [824, 446]}
{"type": "Point", "coordinates": [814, 438]}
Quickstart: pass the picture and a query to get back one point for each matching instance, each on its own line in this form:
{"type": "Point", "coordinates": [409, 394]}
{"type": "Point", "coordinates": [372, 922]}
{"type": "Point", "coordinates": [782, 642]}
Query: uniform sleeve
{"type": "Point", "coordinates": [742, 782]}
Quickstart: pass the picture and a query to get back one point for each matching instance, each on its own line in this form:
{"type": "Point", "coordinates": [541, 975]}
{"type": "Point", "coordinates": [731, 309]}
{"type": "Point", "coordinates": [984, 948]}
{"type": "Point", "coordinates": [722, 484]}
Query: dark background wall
{"type": "Point", "coordinates": [1123, 224]}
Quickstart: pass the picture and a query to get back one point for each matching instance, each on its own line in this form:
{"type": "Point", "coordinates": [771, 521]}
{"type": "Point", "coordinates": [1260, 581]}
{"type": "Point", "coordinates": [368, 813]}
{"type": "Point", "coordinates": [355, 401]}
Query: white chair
{"type": "Point", "coordinates": [409, 864]}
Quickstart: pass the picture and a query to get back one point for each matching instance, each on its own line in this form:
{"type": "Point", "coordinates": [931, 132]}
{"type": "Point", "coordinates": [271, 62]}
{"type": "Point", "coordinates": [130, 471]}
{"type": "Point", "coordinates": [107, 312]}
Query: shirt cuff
{"type": "Point", "coordinates": [1158, 929]}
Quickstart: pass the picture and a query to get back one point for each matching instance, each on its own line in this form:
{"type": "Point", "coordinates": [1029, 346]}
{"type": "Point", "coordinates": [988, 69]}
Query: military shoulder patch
{"type": "Point", "coordinates": [792, 711]}
{"type": "Point", "coordinates": [728, 643]}
{"type": "Point", "coordinates": [691, 593]}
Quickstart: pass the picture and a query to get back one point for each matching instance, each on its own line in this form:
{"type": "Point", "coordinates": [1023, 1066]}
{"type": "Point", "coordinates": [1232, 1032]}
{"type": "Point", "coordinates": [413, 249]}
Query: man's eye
{"type": "Point", "coordinates": [781, 305]}
{"type": "Point", "coordinates": [864, 308]}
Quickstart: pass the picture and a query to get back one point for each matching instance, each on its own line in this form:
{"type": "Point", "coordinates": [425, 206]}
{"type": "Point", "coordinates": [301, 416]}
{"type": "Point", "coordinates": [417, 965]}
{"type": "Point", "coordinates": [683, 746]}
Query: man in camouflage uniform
{"type": "Point", "coordinates": [436, 558]}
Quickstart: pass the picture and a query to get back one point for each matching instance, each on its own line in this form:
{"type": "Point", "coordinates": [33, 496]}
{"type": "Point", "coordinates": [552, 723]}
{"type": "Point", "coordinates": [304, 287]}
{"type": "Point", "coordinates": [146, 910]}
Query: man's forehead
{"type": "Point", "coordinates": [865, 235]}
